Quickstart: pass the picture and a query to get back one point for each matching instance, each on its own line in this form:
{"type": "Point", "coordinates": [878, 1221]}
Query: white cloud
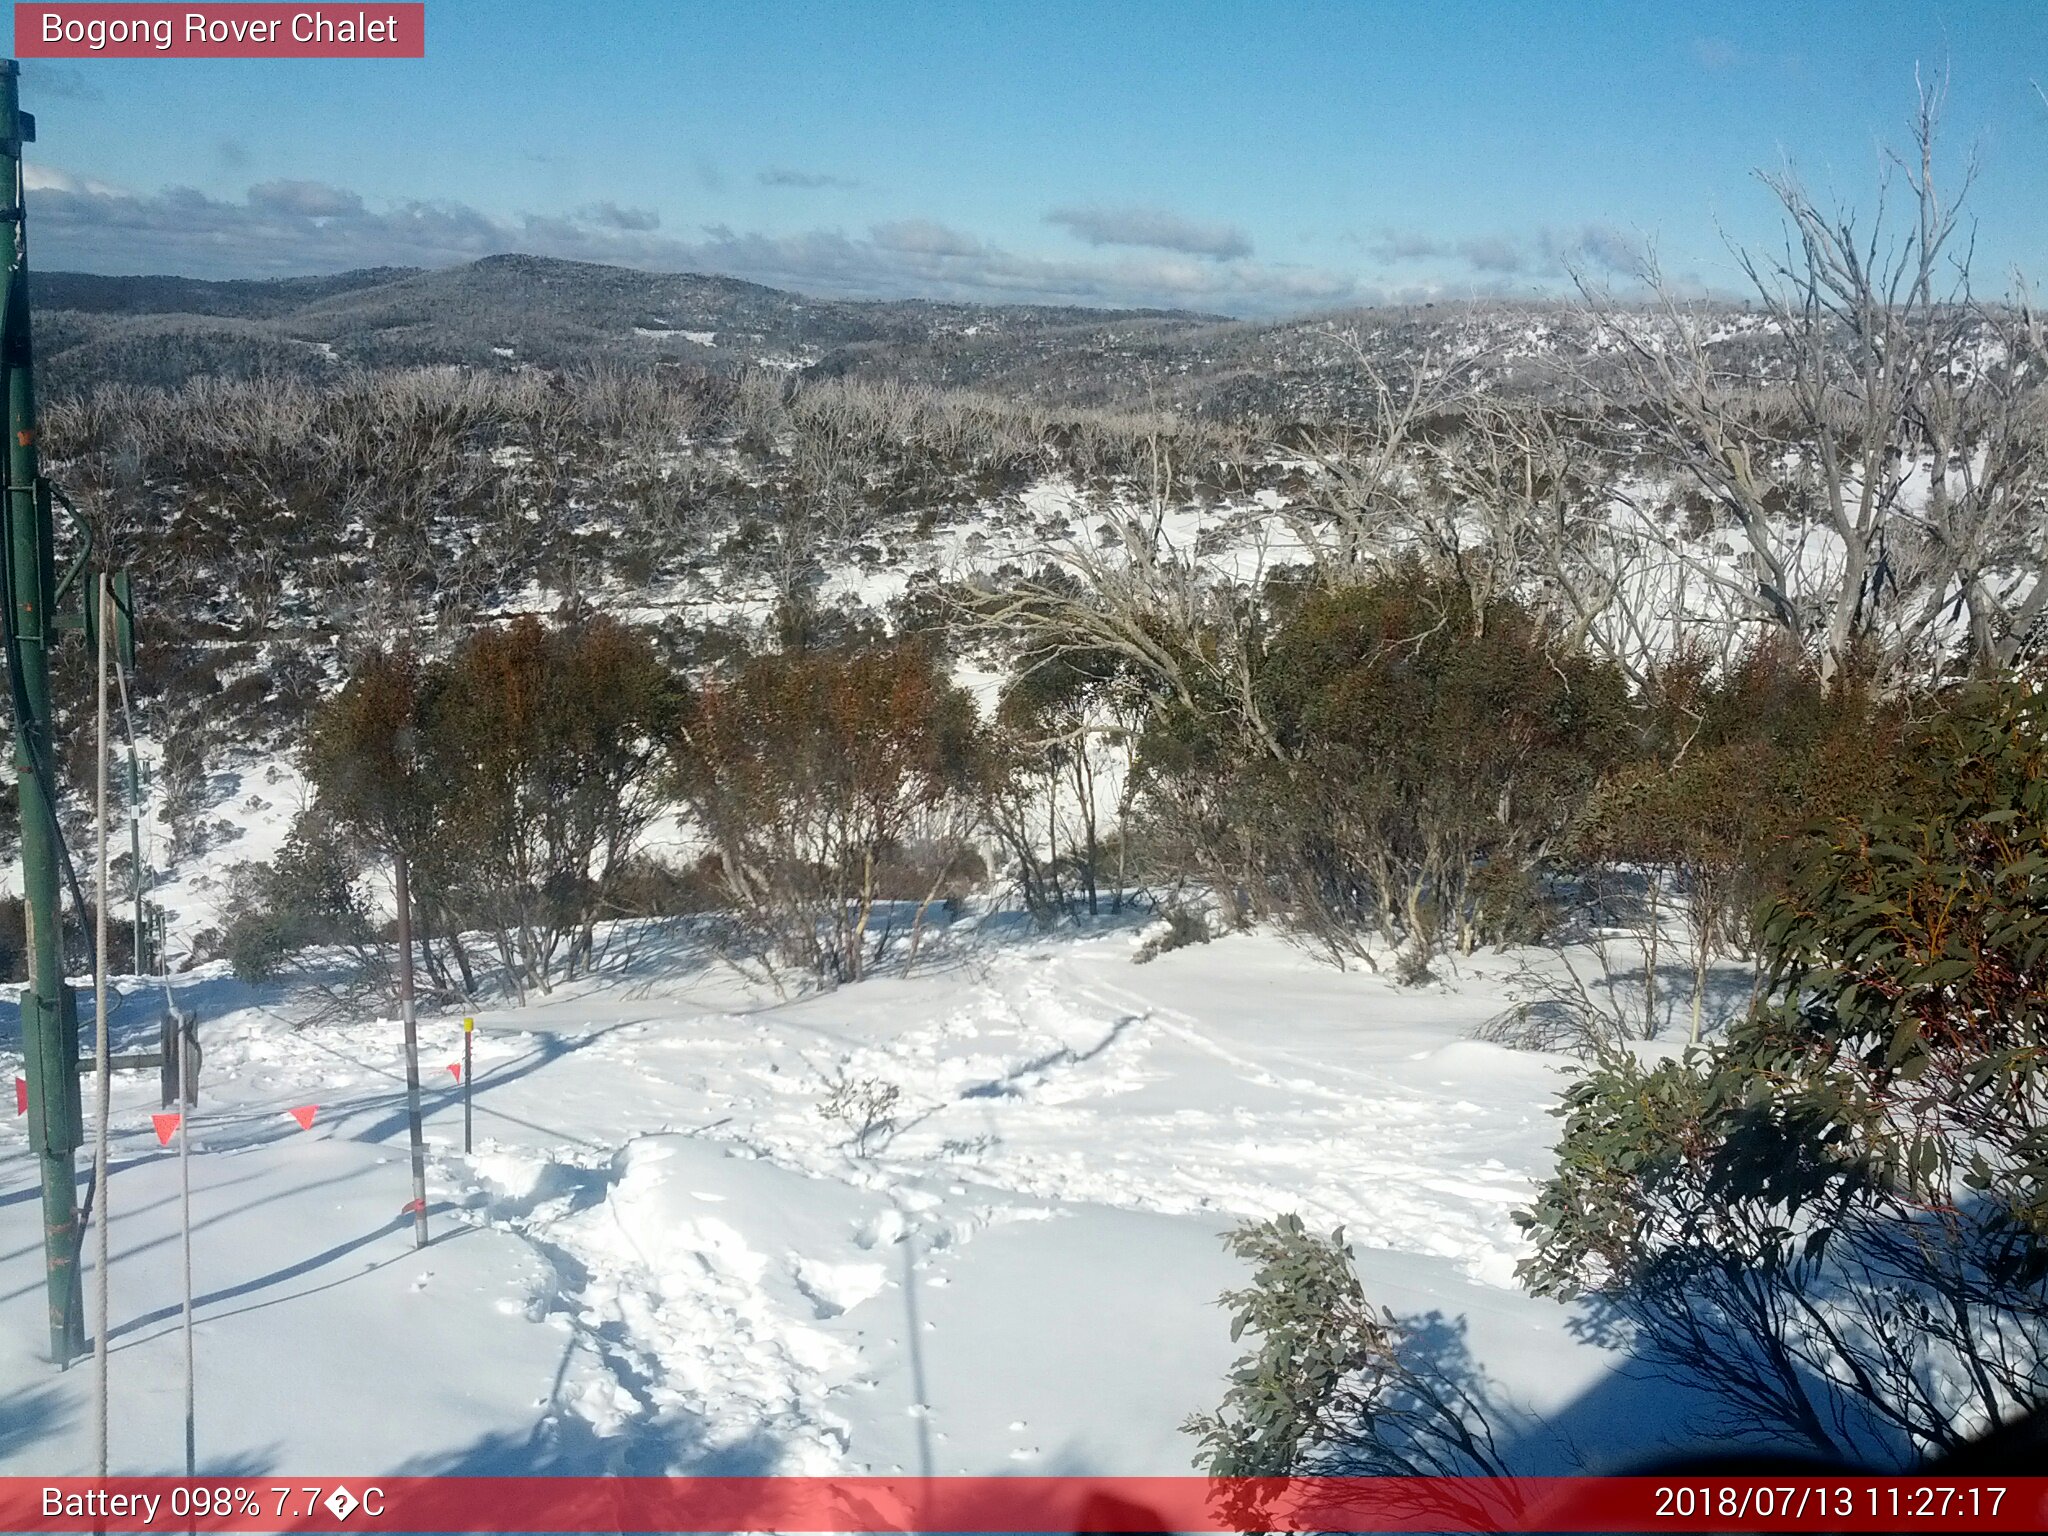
{"type": "Point", "coordinates": [1154, 229]}
{"type": "Point", "coordinates": [48, 178]}
{"type": "Point", "coordinates": [1599, 246]}
{"type": "Point", "coordinates": [309, 199]}
{"type": "Point", "coordinates": [612, 216]}
{"type": "Point", "coordinates": [922, 237]}
{"type": "Point", "coordinates": [807, 181]}
{"type": "Point", "coordinates": [1492, 253]}
{"type": "Point", "coordinates": [299, 227]}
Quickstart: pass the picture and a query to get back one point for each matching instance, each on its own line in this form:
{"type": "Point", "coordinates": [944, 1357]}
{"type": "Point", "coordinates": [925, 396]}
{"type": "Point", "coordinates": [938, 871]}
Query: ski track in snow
{"type": "Point", "coordinates": [1023, 1090]}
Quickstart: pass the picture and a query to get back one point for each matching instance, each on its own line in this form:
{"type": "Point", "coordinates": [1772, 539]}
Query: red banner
{"type": "Point", "coordinates": [1023, 1504]}
{"type": "Point", "coordinates": [104, 31]}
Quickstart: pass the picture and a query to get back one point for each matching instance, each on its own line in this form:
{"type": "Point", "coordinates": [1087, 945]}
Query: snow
{"type": "Point", "coordinates": [256, 803]}
{"type": "Point", "coordinates": [662, 1257]}
{"type": "Point", "coordinates": [662, 332]}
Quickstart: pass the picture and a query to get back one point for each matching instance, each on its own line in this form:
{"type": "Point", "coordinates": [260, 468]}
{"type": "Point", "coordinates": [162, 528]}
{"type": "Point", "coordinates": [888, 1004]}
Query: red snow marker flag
{"type": "Point", "coordinates": [21, 1095]}
{"type": "Point", "coordinates": [304, 1115]}
{"type": "Point", "coordinates": [456, 1068]}
{"type": "Point", "coordinates": [412, 1208]}
{"type": "Point", "coordinates": [165, 1124]}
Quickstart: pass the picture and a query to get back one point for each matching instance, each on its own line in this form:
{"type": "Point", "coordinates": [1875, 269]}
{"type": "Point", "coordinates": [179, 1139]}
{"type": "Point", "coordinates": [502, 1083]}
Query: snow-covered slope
{"type": "Point", "coordinates": [663, 1257]}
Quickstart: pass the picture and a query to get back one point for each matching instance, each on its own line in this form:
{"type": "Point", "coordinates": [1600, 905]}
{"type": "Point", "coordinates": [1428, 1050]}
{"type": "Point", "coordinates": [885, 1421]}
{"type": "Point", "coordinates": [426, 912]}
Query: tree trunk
{"type": "Point", "coordinates": [856, 943]}
{"type": "Point", "coordinates": [1650, 967]}
{"type": "Point", "coordinates": [1084, 789]}
{"type": "Point", "coordinates": [462, 966]}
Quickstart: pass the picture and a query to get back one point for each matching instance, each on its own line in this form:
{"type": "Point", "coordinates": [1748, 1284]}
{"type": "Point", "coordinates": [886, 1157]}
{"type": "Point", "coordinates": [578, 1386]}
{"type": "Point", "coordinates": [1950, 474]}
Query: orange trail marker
{"type": "Point", "coordinates": [413, 1207]}
{"type": "Point", "coordinates": [456, 1068]}
{"type": "Point", "coordinates": [165, 1124]}
{"type": "Point", "coordinates": [21, 1095]}
{"type": "Point", "coordinates": [304, 1115]}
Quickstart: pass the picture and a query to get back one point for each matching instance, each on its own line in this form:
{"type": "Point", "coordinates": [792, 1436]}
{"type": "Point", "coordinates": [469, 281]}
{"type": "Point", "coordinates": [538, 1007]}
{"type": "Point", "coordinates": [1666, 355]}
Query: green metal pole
{"type": "Point", "coordinates": [49, 1016]}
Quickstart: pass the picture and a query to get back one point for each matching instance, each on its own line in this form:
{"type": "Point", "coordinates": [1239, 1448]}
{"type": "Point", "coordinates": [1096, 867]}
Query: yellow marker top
{"type": "Point", "coordinates": [468, 1025]}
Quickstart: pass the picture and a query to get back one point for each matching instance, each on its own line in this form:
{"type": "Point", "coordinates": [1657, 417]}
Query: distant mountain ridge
{"type": "Point", "coordinates": [513, 311]}
{"type": "Point", "coordinates": [496, 312]}
{"type": "Point", "coordinates": [244, 298]}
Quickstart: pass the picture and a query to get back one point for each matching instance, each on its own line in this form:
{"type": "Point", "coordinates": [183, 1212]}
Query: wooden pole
{"type": "Point", "coordinates": [412, 1051]}
{"type": "Point", "coordinates": [468, 1034]}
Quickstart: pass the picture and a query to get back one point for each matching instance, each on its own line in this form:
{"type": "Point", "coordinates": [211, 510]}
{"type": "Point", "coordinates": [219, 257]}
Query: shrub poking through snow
{"type": "Point", "coordinates": [1332, 1383]}
{"type": "Point", "coordinates": [1184, 926]}
{"type": "Point", "coordinates": [866, 1107]}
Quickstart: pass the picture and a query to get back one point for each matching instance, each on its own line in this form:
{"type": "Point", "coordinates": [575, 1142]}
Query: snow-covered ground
{"type": "Point", "coordinates": [663, 1257]}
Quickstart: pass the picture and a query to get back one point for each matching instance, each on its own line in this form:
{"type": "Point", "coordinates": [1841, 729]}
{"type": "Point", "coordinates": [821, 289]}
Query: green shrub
{"type": "Point", "coordinates": [1420, 763]}
{"type": "Point", "coordinates": [1184, 926]}
{"type": "Point", "coordinates": [1331, 1383]}
{"type": "Point", "coordinates": [309, 895]}
{"type": "Point", "coordinates": [1837, 1220]}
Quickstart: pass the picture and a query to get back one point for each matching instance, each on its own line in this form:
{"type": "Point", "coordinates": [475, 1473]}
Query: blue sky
{"type": "Point", "coordinates": [1246, 158]}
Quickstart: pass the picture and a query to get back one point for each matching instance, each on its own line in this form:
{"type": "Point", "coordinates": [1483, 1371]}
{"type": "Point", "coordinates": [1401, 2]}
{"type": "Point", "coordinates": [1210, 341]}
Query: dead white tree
{"type": "Point", "coordinates": [1148, 594]}
{"type": "Point", "coordinates": [1368, 500]}
{"type": "Point", "coordinates": [1983, 528]}
{"type": "Point", "coordinates": [1529, 507]}
{"type": "Point", "coordinates": [1872, 441]}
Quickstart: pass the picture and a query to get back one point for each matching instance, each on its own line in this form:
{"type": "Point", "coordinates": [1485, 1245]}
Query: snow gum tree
{"type": "Point", "coordinates": [546, 745]}
{"type": "Point", "coordinates": [808, 772]}
{"type": "Point", "coordinates": [1065, 725]}
{"type": "Point", "coordinates": [1880, 467]}
{"type": "Point", "coordinates": [365, 756]}
{"type": "Point", "coordinates": [1431, 756]}
{"type": "Point", "coordinates": [516, 777]}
